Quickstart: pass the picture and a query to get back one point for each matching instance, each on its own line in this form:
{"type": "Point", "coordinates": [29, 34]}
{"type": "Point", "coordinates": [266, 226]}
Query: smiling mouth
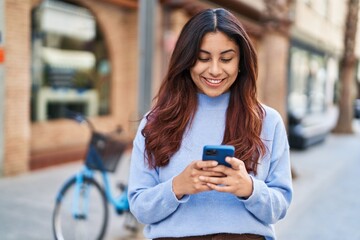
{"type": "Point", "coordinates": [213, 81]}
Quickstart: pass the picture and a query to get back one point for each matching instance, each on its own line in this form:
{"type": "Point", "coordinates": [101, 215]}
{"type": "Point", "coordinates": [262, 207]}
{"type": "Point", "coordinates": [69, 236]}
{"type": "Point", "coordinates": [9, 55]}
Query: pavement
{"type": "Point", "coordinates": [326, 203]}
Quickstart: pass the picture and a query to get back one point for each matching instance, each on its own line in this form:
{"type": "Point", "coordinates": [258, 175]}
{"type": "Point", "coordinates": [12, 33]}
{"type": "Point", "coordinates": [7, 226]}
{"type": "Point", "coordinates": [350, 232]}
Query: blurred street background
{"type": "Point", "coordinates": [106, 58]}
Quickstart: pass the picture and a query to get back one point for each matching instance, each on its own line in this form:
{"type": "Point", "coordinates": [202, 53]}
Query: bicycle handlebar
{"type": "Point", "coordinates": [80, 118]}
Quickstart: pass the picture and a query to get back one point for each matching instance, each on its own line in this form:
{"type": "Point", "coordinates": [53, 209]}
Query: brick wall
{"type": "Point", "coordinates": [17, 87]}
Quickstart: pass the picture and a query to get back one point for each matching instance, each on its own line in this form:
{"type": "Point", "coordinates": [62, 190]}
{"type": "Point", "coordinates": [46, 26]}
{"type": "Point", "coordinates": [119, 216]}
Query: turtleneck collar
{"type": "Point", "coordinates": [214, 103]}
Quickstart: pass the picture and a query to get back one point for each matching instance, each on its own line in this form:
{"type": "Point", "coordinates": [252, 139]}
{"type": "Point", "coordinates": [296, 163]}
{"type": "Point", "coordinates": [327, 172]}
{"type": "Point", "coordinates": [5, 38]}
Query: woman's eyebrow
{"type": "Point", "coordinates": [226, 51]}
{"type": "Point", "coordinates": [223, 52]}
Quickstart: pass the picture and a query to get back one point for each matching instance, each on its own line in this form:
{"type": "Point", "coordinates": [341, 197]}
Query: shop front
{"type": "Point", "coordinates": [66, 55]}
{"type": "Point", "coordinates": [312, 77]}
{"type": "Point", "coordinates": [83, 60]}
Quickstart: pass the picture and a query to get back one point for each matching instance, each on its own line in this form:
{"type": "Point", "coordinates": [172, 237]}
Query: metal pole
{"type": "Point", "coordinates": [146, 41]}
{"type": "Point", "coordinates": [2, 86]}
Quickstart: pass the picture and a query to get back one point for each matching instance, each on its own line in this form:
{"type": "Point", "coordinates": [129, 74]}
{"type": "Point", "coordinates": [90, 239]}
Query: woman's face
{"type": "Point", "coordinates": [217, 65]}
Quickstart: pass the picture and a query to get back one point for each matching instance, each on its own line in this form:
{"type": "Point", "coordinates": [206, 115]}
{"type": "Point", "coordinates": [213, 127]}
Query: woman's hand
{"type": "Point", "coordinates": [236, 181]}
{"type": "Point", "coordinates": [188, 181]}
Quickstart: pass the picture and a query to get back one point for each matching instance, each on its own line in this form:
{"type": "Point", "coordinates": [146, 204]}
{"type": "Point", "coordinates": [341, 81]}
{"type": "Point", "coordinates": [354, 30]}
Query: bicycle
{"type": "Point", "coordinates": [81, 206]}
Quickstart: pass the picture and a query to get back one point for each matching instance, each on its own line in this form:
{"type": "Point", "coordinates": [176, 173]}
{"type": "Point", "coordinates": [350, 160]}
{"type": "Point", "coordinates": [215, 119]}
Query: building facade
{"type": "Point", "coordinates": [316, 49]}
{"type": "Point", "coordinates": [83, 55]}
{"type": "Point", "coordinates": [41, 58]}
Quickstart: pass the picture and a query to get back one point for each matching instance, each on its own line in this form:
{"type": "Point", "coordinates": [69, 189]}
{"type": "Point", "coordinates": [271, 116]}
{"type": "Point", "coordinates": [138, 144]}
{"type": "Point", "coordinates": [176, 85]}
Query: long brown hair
{"type": "Point", "coordinates": [177, 97]}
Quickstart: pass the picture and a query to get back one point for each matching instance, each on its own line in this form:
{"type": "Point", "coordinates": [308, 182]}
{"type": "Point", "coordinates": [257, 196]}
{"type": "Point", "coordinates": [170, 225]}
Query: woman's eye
{"type": "Point", "coordinates": [206, 59]}
{"type": "Point", "coordinates": [225, 60]}
{"type": "Point", "coordinates": [203, 59]}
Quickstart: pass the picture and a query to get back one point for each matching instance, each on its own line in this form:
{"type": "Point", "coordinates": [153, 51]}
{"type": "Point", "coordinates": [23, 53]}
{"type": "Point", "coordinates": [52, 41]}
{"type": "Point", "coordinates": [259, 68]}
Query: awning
{"type": "Point", "coordinates": [68, 58]}
{"type": "Point", "coordinates": [67, 19]}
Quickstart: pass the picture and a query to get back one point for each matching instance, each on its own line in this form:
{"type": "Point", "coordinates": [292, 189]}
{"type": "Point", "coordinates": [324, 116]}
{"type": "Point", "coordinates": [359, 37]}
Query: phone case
{"type": "Point", "coordinates": [218, 153]}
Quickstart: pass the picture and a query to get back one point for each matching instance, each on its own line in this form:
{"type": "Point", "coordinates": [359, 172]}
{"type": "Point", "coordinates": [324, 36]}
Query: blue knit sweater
{"type": "Point", "coordinates": [153, 202]}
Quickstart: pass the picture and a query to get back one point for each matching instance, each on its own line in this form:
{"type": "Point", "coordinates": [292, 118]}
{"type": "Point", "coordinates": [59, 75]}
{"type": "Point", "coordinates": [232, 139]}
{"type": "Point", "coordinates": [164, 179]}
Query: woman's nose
{"type": "Point", "coordinates": [214, 68]}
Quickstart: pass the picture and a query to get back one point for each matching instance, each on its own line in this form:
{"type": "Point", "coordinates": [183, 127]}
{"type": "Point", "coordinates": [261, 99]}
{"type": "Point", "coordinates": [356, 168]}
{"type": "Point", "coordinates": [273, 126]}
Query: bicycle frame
{"type": "Point", "coordinates": [121, 203]}
{"type": "Point", "coordinates": [79, 181]}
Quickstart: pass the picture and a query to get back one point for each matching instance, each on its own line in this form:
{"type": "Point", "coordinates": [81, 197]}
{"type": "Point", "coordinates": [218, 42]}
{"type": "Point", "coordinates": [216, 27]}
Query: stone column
{"type": "Point", "coordinates": [273, 56]}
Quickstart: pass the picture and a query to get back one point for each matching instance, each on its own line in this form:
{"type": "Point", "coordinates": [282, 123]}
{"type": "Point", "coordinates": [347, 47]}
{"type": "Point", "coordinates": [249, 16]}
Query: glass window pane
{"type": "Point", "coordinates": [307, 83]}
{"type": "Point", "coordinates": [70, 64]}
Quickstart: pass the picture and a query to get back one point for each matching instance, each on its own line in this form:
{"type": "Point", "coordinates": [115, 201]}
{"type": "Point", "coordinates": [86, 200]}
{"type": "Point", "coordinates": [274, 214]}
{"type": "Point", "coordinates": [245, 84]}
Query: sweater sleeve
{"type": "Point", "coordinates": [150, 200]}
{"type": "Point", "coordinates": [271, 198]}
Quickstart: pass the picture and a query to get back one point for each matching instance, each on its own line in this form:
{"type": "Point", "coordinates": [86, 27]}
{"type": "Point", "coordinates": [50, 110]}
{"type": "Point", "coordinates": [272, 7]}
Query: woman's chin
{"type": "Point", "coordinates": [213, 93]}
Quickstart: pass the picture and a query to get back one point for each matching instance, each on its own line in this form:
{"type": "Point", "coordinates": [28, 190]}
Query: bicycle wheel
{"type": "Point", "coordinates": [81, 212]}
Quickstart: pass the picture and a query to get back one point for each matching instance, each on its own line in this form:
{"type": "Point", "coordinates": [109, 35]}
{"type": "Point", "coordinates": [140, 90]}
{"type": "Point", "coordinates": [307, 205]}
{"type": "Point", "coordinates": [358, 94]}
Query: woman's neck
{"type": "Point", "coordinates": [219, 102]}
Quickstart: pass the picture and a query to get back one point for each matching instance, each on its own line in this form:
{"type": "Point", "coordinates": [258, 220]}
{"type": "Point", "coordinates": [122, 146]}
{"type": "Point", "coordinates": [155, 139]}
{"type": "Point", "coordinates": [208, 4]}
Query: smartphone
{"type": "Point", "coordinates": [218, 153]}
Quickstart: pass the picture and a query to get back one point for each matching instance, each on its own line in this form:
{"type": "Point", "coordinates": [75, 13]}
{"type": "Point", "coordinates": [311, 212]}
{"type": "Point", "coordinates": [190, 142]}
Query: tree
{"type": "Point", "coordinates": [347, 71]}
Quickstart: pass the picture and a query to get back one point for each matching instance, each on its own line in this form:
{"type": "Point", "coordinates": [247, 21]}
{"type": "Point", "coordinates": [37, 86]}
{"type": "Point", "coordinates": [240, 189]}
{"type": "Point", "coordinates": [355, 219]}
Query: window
{"type": "Point", "coordinates": [70, 66]}
{"type": "Point", "coordinates": [307, 82]}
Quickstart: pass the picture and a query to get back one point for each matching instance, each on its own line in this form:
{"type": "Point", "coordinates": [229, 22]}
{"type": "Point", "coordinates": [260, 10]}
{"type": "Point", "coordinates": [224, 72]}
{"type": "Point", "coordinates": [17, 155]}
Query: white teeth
{"type": "Point", "coordinates": [214, 81]}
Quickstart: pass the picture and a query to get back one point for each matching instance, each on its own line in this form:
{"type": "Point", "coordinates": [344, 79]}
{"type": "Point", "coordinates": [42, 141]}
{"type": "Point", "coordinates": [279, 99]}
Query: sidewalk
{"type": "Point", "coordinates": [326, 202]}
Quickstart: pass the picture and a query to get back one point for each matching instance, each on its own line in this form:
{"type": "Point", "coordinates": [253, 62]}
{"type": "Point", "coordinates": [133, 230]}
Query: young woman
{"type": "Point", "coordinates": [208, 97]}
